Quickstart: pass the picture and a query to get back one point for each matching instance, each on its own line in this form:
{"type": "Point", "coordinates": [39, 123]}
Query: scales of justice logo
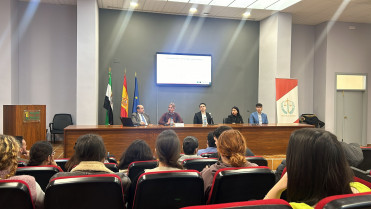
{"type": "Point", "coordinates": [288, 107]}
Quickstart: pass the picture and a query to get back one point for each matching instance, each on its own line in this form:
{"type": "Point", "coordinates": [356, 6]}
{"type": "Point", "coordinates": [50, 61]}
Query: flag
{"type": "Point", "coordinates": [125, 99]}
{"type": "Point", "coordinates": [108, 103]}
{"type": "Point", "coordinates": [287, 100]}
{"type": "Point", "coordinates": [136, 95]}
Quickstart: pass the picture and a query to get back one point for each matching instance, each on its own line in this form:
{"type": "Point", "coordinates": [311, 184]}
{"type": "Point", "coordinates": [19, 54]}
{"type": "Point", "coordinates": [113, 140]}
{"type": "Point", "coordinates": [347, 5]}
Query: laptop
{"type": "Point", "coordinates": [126, 122]}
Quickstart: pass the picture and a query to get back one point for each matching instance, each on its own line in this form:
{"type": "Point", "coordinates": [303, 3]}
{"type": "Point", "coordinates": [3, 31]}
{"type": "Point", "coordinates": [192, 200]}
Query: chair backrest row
{"type": "Point", "coordinates": [15, 194]}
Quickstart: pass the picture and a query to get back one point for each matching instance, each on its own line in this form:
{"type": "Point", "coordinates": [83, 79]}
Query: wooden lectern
{"type": "Point", "coordinates": [25, 120]}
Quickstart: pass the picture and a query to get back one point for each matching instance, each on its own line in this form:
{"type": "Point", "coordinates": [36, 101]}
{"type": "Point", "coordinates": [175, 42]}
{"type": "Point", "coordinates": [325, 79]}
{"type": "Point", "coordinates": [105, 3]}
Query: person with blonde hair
{"type": "Point", "coordinates": [9, 149]}
{"type": "Point", "coordinates": [231, 147]}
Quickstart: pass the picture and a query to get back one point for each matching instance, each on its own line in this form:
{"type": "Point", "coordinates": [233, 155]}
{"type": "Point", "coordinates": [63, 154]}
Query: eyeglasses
{"type": "Point", "coordinates": [53, 153]}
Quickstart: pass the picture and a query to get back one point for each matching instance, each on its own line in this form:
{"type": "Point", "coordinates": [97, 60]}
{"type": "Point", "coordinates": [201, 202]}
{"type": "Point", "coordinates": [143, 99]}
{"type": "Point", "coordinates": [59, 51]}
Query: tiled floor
{"type": "Point", "coordinates": [273, 160]}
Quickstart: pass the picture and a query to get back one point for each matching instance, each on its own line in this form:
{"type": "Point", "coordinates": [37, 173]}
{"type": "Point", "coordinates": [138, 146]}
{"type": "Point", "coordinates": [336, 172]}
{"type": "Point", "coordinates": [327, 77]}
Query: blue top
{"type": "Point", "coordinates": [254, 118]}
{"type": "Point", "coordinates": [207, 150]}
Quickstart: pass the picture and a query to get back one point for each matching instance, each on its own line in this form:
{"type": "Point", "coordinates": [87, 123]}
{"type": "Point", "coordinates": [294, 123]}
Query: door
{"type": "Point", "coordinates": [349, 116]}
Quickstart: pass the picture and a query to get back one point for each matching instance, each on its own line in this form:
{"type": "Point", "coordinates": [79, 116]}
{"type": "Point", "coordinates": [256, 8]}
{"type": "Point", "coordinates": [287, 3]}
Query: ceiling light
{"type": "Point", "coordinates": [133, 4]}
{"type": "Point", "coordinates": [282, 4]}
{"type": "Point", "coordinates": [262, 4]}
{"type": "Point", "coordinates": [246, 14]}
{"type": "Point", "coordinates": [222, 3]}
{"type": "Point", "coordinates": [242, 3]}
{"type": "Point", "coordinates": [192, 10]}
{"type": "Point", "coordinates": [200, 1]}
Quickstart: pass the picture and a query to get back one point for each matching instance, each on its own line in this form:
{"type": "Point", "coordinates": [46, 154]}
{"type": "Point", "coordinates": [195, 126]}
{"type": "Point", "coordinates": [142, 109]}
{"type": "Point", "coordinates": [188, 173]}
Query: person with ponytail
{"type": "Point", "coordinates": [9, 149]}
{"type": "Point", "coordinates": [167, 151]}
{"type": "Point", "coordinates": [231, 147]}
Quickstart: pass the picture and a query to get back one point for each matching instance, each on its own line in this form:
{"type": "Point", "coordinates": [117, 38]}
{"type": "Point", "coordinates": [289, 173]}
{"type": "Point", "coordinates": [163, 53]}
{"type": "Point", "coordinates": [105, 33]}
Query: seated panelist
{"type": "Point", "coordinates": [140, 118]}
{"type": "Point", "coordinates": [170, 117]}
{"type": "Point", "coordinates": [235, 116]}
{"type": "Point", "coordinates": [258, 117]}
{"type": "Point", "coordinates": [202, 115]}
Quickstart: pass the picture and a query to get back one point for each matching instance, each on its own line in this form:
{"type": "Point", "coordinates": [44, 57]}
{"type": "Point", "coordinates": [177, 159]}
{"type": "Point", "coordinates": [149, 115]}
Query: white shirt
{"type": "Point", "coordinates": [204, 118]}
{"type": "Point", "coordinates": [260, 118]}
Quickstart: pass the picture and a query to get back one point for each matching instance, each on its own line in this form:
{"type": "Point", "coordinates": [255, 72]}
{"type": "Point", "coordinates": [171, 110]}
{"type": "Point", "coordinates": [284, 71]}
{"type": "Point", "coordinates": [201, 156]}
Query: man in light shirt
{"type": "Point", "coordinates": [258, 117]}
{"type": "Point", "coordinates": [202, 116]}
{"type": "Point", "coordinates": [140, 118]}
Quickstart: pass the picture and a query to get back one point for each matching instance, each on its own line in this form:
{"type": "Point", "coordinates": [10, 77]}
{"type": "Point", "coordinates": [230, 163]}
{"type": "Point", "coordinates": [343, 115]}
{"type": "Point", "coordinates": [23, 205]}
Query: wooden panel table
{"type": "Point", "coordinates": [270, 139]}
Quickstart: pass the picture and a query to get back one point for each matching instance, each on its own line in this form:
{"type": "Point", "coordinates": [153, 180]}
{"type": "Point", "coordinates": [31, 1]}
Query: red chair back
{"type": "Point", "coordinates": [15, 194]}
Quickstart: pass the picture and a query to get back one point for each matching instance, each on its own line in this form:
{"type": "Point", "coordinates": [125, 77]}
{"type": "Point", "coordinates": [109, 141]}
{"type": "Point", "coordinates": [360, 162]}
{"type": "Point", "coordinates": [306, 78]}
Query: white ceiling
{"type": "Point", "coordinates": [308, 12]}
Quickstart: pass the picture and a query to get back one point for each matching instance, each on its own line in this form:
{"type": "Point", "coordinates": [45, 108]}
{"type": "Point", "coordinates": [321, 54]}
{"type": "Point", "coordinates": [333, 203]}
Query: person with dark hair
{"type": "Point", "coordinates": [235, 116]}
{"type": "Point", "coordinates": [220, 130]}
{"type": "Point", "coordinates": [231, 148]}
{"type": "Point", "coordinates": [138, 150]}
{"type": "Point", "coordinates": [258, 117]}
{"type": "Point", "coordinates": [90, 154]}
{"type": "Point", "coordinates": [9, 149]}
{"type": "Point", "coordinates": [202, 117]}
{"type": "Point", "coordinates": [211, 147]}
{"type": "Point", "coordinates": [170, 117]}
{"type": "Point", "coordinates": [167, 151]}
{"type": "Point", "coordinates": [190, 147]}
{"type": "Point", "coordinates": [41, 153]}
{"type": "Point", "coordinates": [316, 168]}
{"type": "Point", "coordinates": [23, 154]}
{"type": "Point", "coordinates": [140, 118]}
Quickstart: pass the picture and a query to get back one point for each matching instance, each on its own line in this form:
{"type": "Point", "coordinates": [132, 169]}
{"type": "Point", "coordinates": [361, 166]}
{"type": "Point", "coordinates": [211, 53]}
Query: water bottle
{"type": "Point", "coordinates": [171, 121]}
{"type": "Point", "coordinates": [204, 122]}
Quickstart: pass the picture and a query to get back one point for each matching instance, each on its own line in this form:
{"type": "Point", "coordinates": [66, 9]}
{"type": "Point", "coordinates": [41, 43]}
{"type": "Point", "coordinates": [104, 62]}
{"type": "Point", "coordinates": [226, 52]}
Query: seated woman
{"type": "Point", "coordinates": [90, 154]}
{"type": "Point", "coordinates": [231, 147]}
{"type": "Point", "coordinates": [41, 153]}
{"type": "Point", "coordinates": [9, 149]}
{"type": "Point", "coordinates": [316, 168]}
{"type": "Point", "coordinates": [235, 116]}
{"type": "Point", "coordinates": [167, 151]}
{"type": "Point", "coordinates": [137, 151]}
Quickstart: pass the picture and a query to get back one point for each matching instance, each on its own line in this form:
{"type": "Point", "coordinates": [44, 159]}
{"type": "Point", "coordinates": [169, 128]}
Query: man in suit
{"type": "Point", "coordinates": [258, 117]}
{"type": "Point", "coordinates": [200, 116]}
{"type": "Point", "coordinates": [140, 118]}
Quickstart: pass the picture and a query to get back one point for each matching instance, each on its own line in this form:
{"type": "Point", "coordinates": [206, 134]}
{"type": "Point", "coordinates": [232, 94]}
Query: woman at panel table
{"type": "Point", "coordinates": [235, 116]}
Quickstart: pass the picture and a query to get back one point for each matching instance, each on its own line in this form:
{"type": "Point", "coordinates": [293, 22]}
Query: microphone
{"type": "Point", "coordinates": [212, 119]}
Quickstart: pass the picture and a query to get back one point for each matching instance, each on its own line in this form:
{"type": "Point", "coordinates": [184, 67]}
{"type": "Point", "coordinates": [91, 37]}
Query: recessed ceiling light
{"type": "Point", "coordinates": [192, 10]}
{"type": "Point", "coordinates": [133, 4]}
{"type": "Point", "coordinates": [246, 14]}
{"type": "Point", "coordinates": [282, 4]}
{"type": "Point", "coordinates": [242, 3]}
{"type": "Point", "coordinates": [222, 3]}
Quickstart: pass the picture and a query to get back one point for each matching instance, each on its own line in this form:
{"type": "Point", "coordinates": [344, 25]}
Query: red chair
{"type": "Point", "coordinates": [347, 201]}
{"type": "Point", "coordinates": [241, 184]}
{"type": "Point", "coordinates": [210, 154]}
{"type": "Point", "coordinates": [85, 191]}
{"type": "Point", "coordinates": [138, 167]}
{"type": "Point", "coordinates": [112, 166]}
{"type": "Point", "coordinates": [42, 174]}
{"type": "Point", "coordinates": [256, 204]}
{"type": "Point", "coordinates": [366, 163]}
{"type": "Point", "coordinates": [169, 189]}
{"type": "Point", "coordinates": [198, 163]}
{"type": "Point", "coordinates": [362, 176]}
{"type": "Point", "coordinates": [15, 194]}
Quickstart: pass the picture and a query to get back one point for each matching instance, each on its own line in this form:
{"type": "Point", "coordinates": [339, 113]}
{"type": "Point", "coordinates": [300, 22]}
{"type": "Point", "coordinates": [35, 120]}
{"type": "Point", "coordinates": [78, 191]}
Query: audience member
{"type": "Point", "coordinates": [41, 153]}
{"type": "Point", "coordinates": [23, 152]}
{"type": "Point", "coordinates": [235, 116]}
{"type": "Point", "coordinates": [316, 168]}
{"type": "Point", "coordinates": [211, 147]}
{"type": "Point", "coordinates": [190, 147]}
{"type": "Point", "coordinates": [231, 148]}
{"type": "Point", "coordinates": [90, 154]}
{"type": "Point", "coordinates": [170, 117]}
{"type": "Point", "coordinates": [138, 150]}
{"type": "Point", "coordinates": [167, 151]}
{"type": "Point", "coordinates": [9, 149]}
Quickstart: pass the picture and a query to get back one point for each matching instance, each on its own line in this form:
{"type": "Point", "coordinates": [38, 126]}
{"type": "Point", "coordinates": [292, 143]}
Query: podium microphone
{"type": "Point", "coordinates": [212, 119]}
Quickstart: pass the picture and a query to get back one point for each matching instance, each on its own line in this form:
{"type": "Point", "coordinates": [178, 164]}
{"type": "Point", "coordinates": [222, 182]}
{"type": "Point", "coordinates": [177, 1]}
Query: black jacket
{"type": "Point", "coordinates": [197, 119]}
{"type": "Point", "coordinates": [234, 119]}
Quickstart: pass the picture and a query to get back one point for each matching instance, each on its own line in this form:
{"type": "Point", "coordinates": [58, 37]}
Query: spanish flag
{"type": "Point", "coordinates": [108, 102]}
{"type": "Point", "coordinates": [125, 99]}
